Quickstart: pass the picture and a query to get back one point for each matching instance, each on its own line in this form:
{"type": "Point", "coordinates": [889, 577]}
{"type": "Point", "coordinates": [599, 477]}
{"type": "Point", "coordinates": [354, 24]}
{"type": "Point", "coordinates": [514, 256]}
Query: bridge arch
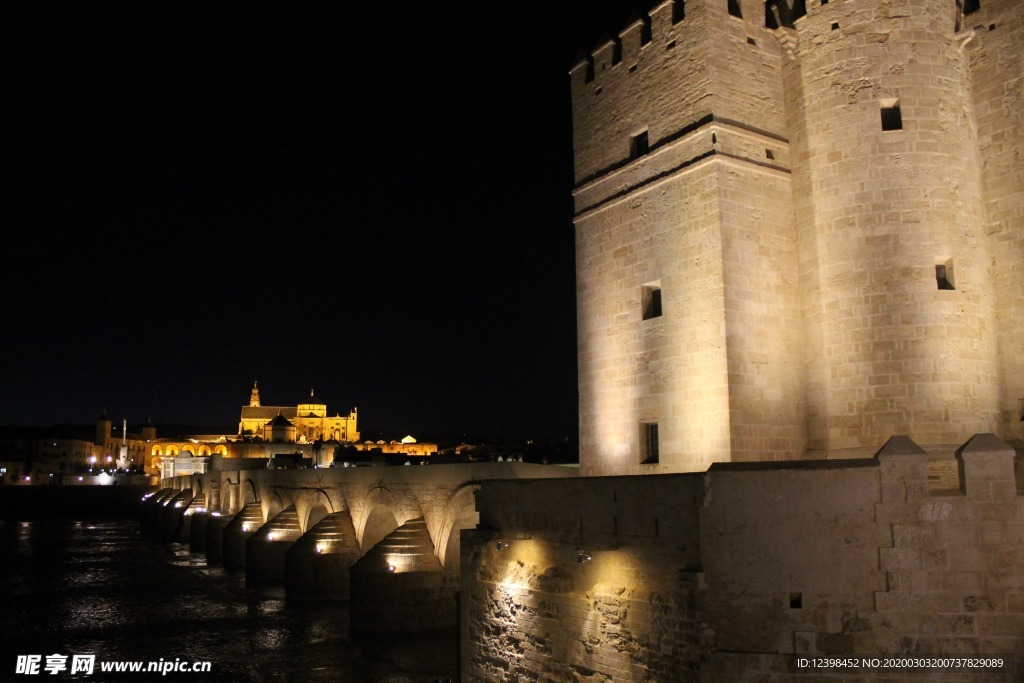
{"type": "Point", "coordinates": [378, 518]}
{"type": "Point", "coordinates": [274, 505]}
{"type": "Point", "coordinates": [459, 513]}
{"type": "Point", "coordinates": [249, 493]}
{"type": "Point", "coordinates": [320, 507]}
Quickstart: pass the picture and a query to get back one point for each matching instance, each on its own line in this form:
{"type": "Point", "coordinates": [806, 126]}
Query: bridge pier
{"type": "Point", "coordinates": [399, 585]}
{"type": "Point", "coordinates": [265, 549]}
{"type": "Point", "coordinates": [238, 531]}
{"type": "Point", "coordinates": [185, 531]}
{"type": "Point", "coordinates": [153, 510]}
{"type": "Point", "coordinates": [173, 515]}
{"type": "Point", "coordinates": [197, 531]}
{"type": "Point", "coordinates": [215, 537]}
{"type": "Point", "coordinates": [317, 565]}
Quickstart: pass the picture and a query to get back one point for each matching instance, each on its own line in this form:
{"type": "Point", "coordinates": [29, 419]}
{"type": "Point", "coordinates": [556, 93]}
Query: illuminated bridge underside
{"type": "Point", "coordinates": [309, 528]}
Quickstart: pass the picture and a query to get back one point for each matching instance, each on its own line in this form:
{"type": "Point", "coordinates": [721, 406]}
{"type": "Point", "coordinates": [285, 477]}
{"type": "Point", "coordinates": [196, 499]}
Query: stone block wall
{"type": "Point", "coordinates": [550, 593]}
{"type": "Point", "coordinates": [794, 236]}
{"type": "Point", "coordinates": [733, 574]}
{"type": "Point", "coordinates": [877, 209]}
{"type": "Point", "coordinates": [997, 88]}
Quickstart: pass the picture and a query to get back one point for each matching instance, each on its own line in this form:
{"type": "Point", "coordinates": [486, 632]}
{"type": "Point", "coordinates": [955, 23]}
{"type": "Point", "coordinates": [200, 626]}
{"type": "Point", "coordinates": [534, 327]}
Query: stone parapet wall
{"type": "Point", "coordinates": [697, 576]}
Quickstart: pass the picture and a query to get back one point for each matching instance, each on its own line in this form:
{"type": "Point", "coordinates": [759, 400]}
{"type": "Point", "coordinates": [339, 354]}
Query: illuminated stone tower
{"type": "Point", "coordinates": [799, 232]}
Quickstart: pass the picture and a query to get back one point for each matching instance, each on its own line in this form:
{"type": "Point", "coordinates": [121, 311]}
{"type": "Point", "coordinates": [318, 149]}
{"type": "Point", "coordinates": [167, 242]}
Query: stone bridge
{"type": "Point", "coordinates": [385, 538]}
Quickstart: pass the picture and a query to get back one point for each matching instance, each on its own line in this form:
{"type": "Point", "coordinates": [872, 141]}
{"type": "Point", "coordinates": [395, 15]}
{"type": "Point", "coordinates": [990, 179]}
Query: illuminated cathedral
{"type": "Point", "coordinates": [303, 423]}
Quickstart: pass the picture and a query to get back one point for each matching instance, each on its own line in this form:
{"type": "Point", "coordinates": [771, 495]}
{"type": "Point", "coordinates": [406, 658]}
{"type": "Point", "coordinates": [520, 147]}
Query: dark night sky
{"type": "Point", "coordinates": [370, 199]}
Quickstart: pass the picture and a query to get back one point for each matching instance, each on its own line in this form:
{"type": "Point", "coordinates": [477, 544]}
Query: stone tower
{"type": "Point", "coordinates": [799, 231]}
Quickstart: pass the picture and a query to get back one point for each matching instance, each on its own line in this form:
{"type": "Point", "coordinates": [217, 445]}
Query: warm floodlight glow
{"type": "Point", "coordinates": [321, 548]}
{"type": "Point", "coordinates": [391, 568]}
{"type": "Point", "coordinates": [272, 536]}
{"type": "Point", "coordinates": [245, 527]}
{"type": "Point", "coordinates": [92, 459]}
{"type": "Point", "coordinates": [215, 514]}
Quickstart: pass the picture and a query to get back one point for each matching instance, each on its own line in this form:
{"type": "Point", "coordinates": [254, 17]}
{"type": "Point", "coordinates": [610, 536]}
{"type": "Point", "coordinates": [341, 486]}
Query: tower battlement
{"type": "Point", "coordinates": [800, 192]}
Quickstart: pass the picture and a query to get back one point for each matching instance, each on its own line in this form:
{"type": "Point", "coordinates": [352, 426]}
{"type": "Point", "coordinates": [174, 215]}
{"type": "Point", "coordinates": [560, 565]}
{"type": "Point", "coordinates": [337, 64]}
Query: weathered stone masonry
{"type": "Point", "coordinates": [725, 575]}
{"type": "Point", "coordinates": [790, 194]}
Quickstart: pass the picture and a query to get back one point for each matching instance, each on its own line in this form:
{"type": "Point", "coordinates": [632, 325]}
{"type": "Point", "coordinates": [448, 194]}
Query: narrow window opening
{"type": "Point", "coordinates": [769, 154]}
{"type": "Point", "coordinates": [944, 274]}
{"type": "Point", "coordinates": [590, 71]}
{"type": "Point", "coordinates": [638, 145]}
{"type": "Point", "coordinates": [892, 119]}
{"type": "Point", "coordinates": [671, 44]}
{"type": "Point", "coordinates": [598, 91]}
{"type": "Point", "coordinates": [734, 8]}
{"type": "Point", "coordinates": [835, 25]}
{"type": "Point", "coordinates": [649, 437]}
{"type": "Point", "coordinates": [796, 601]}
{"type": "Point", "coordinates": [824, 2]}
{"type": "Point", "coordinates": [971, 6]}
{"type": "Point", "coordinates": [651, 295]}
{"type": "Point", "coordinates": [632, 68]}
{"type": "Point", "coordinates": [616, 52]}
{"type": "Point", "coordinates": [714, 139]}
{"type": "Point", "coordinates": [678, 11]}
{"type": "Point", "coordinates": [783, 12]}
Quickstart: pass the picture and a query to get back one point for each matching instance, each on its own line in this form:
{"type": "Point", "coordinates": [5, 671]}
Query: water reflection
{"type": "Point", "coordinates": [99, 588]}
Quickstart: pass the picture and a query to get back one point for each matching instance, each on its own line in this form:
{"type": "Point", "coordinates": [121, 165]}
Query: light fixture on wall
{"type": "Point", "coordinates": [582, 556]}
{"type": "Point", "coordinates": [391, 568]}
{"type": "Point", "coordinates": [500, 545]}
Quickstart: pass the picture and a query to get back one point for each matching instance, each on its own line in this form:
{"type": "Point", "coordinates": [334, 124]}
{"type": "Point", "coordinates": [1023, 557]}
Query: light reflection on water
{"type": "Point", "coordinates": [100, 588]}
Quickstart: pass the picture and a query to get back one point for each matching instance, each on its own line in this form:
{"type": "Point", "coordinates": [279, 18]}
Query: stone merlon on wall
{"type": "Point", "coordinates": [728, 574]}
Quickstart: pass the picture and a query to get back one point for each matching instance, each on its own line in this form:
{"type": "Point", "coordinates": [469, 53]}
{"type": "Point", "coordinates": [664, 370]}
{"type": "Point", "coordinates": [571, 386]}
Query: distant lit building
{"type": "Point", "coordinates": [303, 423]}
{"type": "Point", "coordinates": [407, 446]}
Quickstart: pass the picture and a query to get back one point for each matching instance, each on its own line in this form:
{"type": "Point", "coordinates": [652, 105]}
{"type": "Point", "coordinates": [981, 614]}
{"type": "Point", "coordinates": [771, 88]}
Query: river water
{"type": "Point", "coordinates": [100, 588]}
